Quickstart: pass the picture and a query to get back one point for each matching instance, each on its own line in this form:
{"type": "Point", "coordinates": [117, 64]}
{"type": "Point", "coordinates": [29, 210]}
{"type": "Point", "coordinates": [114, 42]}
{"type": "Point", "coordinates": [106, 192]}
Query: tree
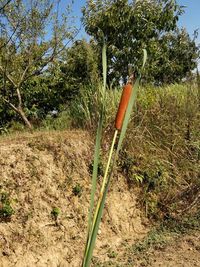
{"type": "Point", "coordinates": [79, 66]}
{"type": "Point", "coordinates": [33, 34]}
{"type": "Point", "coordinates": [172, 58]}
{"type": "Point", "coordinates": [130, 26]}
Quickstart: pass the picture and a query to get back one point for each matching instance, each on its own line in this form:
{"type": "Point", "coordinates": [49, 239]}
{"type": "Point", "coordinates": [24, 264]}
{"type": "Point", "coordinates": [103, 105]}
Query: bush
{"type": "Point", "coordinates": [60, 121]}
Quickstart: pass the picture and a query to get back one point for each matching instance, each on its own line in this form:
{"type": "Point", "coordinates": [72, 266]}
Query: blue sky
{"type": "Point", "coordinates": [190, 19]}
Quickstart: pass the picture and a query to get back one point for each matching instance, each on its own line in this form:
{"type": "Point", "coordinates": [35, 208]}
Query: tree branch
{"type": "Point", "coordinates": [51, 57]}
{"type": "Point", "coordinates": [8, 76]}
{"type": "Point", "coordinates": [15, 85]}
{"type": "Point", "coordinates": [7, 3]}
{"type": "Point", "coordinates": [10, 38]}
{"type": "Point", "coordinates": [10, 104]}
{"type": "Point", "coordinates": [23, 74]}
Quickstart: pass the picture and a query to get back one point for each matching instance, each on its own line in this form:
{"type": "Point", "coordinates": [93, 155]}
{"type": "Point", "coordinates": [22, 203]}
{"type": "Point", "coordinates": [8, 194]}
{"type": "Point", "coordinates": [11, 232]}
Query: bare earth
{"type": "Point", "coordinates": [182, 252]}
{"type": "Point", "coordinates": [39, 172]}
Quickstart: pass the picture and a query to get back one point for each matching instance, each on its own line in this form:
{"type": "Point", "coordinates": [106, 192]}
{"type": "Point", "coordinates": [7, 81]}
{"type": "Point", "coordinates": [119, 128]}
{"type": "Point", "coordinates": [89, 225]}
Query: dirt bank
{"type": "Point", "coordinates": [44, 172]}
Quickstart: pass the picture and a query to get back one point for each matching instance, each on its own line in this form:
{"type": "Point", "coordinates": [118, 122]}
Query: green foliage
{"type": "Point", "coordinates": [61, 121]}
{"type": "Point", "coordinates": [6, 210]}
{"type": "Point", "coordinates": [129, 27]}
{"type": "Point", "coordinates": [80, 66]}
{"type": "Point", "coordinates": [155, 238]}
{"type": "Point", "coordinates": [129, 167]}
{"type": "Point", "coordinates": [62, 82]}
{"type": "Point", "coordinates": [77, 190]}
{"type": "Point", "coordinates": [27, 50]}
{"type": "Point", "coordinates": [55, 213]}
{"type": "Point", "coordinates": [15, 126]}
{"type": "Point", "coordinates": [172, 57]}
{"type": "Point", "coordinates": [85, 108]}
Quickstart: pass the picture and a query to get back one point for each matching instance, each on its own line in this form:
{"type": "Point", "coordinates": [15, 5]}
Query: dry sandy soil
{"type": "Point", "coordinates": [184, 252]}
{"type": "Point", "coordinates": [39, 172]}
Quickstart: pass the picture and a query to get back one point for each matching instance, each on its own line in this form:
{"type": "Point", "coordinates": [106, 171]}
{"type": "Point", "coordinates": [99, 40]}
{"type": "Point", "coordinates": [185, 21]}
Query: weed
{"type": "Point", "coordinates": [129, 166]}
{"type": "Point", "coordinates": [55, 213]}
{"type": "Point", "coordinates": [85, 109]}
{"type": "Point", "coordinates": [155, 238]}
{"type": "Point", "coordinates": [77, 190]}
{"type": "Point", "coordinates": [62, 121]}
{"type": "Point", "coordinates": [184, 224]}
{"type": "Point", "coordinates": [112, 254]}
{"type": "Point", "coordinates": [6, 210]}
{"type": "Point", "coordinates": [16, 126]}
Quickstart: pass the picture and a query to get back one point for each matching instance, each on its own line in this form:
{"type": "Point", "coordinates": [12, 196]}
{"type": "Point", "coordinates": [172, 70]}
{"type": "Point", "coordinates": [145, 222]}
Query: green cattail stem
{"type": "Point", "coordinates": [101, 191]}
{"type": "Point", "coordinates": [105, 177]}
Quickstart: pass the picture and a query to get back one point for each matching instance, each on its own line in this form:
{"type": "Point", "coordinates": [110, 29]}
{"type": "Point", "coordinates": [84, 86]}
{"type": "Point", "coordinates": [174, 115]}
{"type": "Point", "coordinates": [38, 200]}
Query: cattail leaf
{"type": "Point", "coordinates": [104, 63]}
{"type": "Point", "coordinates": [96, 155]}
{"type": "Point", "coordinates": [98, 214]}
{"type": "Point", "coordinates": [144, 57]}
{"type": "Point", "coordinates": [96, 224]}
{"type": "Point", "coordinates": [98, 138]}
{"type": "Point", "coordinates": [100, 211]}
{"type": "Point", "coordinates": [95, 231]}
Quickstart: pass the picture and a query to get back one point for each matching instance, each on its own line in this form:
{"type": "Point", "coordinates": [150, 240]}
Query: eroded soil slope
{"type": "Point", "coordinates": [44, 171]}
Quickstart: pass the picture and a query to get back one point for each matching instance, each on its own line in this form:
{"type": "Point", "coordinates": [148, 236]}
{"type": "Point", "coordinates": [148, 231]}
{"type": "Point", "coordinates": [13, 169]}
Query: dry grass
{"type": "Point", "coordinates": [164, 149]}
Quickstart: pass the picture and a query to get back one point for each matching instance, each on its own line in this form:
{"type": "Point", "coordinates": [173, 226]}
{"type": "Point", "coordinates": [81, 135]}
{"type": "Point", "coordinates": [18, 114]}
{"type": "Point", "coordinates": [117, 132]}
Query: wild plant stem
{"type": "Point", "coordinates": [101, 192]}
{"type": "Point", "coordinates": [105, 178]}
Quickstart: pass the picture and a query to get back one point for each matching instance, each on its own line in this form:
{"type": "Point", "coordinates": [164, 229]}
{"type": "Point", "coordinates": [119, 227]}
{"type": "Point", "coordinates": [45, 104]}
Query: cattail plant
{"type": "Point", "coordinates": [121, 122]}
{"type": "Point", "coordinates": [126, 94]}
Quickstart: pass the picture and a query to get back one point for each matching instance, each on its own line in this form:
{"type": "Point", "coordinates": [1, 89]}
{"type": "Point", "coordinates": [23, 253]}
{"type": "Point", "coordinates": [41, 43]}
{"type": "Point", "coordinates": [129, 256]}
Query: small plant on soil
{"type": "Point", "coordinates": [77, 190]}
{"type": "Point", "coordinates": [6, 210]}
{"type": "Point", "coordinates": [112, 254]}
{"type": "Point", "coordinates": [55, 213]}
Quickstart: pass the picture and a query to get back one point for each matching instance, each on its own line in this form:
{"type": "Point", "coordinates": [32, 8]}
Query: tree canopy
{"type": "Point", "coordinates": [130, 26]}
{"type": "Point", "coordinates": [33, 34]}
{"type": "Point", "coordinates": [43, 65]}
